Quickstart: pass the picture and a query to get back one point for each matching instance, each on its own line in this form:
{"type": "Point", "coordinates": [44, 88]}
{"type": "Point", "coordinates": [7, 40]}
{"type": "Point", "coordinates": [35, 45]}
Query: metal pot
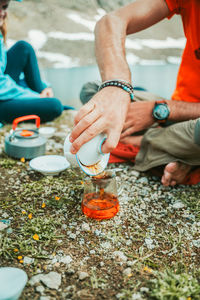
{"type": "Point", "coordinates": [25, 143]}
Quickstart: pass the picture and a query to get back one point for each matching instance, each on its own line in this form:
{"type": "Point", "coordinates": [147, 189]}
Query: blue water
{"type": "Point", "coordinates": [67, 83]}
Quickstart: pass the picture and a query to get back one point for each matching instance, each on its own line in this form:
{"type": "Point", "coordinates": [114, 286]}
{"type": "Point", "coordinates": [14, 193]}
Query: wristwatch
{"type": "Point", "coordinates": [161, 111]}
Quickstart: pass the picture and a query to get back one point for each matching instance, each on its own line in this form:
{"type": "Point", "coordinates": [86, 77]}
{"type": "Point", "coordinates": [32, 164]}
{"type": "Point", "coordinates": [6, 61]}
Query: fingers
{"type": "Point", "coordinates": [86, 109]}
{"type": "Point", "coordinates": [111, 141]}
{"type": "Point", "coordinates": [87, 122]}
{"type": "Point", "coordinates": [127, 132]}
{"type": "Point", "coordinates": [87, 134]}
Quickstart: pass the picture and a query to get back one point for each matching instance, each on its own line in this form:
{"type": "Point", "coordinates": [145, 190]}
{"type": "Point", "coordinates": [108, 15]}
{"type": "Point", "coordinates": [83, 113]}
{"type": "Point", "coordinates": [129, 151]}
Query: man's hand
{"type": "Point", "coordinates": [105, 112]}
{"type": "Point", "coordinates": [139, 117]}
{"type": "Point", "coordinates": [47, 93]}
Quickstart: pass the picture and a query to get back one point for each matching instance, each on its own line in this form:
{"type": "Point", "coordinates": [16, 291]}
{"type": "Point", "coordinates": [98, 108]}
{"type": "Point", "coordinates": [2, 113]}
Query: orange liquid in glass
{"type": "Point", "coordinates": [100, 205]}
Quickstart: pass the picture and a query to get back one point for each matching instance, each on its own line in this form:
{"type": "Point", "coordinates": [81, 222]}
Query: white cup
{"type": "Point", "coordinates": [69, 156]}
{"type": "Point", "coordinates": [89, 158]}
{"type": "Point", "coordinates": [12, 283]}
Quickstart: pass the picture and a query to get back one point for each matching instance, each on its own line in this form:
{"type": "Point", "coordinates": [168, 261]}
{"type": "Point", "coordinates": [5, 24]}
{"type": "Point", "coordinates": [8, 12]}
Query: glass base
{"type": "Point", "coordinates": [100, 206]}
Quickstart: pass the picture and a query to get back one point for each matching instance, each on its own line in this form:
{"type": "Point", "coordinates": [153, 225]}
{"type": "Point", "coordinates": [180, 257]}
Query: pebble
{"type": "Point", "coordinates": [72, 236]}
{"type": "Point", "coordinates": [178, 205]}
{"type": "Point", "coordinates": [66, 259]}
{"type": "Point", "coordinates": [3, 226]}
{"type": "Point", "coordinates": [149, 243]}
{"type": "Point", "coordinates": [196, 243]}
{"type": "Point", "coordinates": [106, 245]}
{"type": "Point", "coordinates": [5, 215]}
{"type": "Point", "coordinates": [85, 227]}
{"type": "Point", "coordinates": [70, 271]}
{"type": "Point", "coordinates": [136, 296]}
{"type": "Point", "coordinates": [119, 255]}
{"type": "Point", "coordinates": [83, 275]}
{"type": "Point", "coordinates": [127, 272]}
{"type": "Point", "coordinates": [143, 180]}
{"type": "Point", "coordinates": [40, 289]}
{"type": "Point", "coordinates": [35, 279]}
{"type": "Point", "coordinates": [28, 260]}
{"type": "Point", "coordinates": [52, 280]}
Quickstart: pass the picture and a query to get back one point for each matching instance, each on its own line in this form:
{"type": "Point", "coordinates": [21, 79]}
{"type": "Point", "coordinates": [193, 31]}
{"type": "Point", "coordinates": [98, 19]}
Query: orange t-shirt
{"type": "Point", "coordinates": [188, 80]}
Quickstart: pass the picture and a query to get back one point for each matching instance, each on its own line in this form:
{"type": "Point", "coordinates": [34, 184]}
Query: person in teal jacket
{"type": "Point", "coordinates": [22, 97]}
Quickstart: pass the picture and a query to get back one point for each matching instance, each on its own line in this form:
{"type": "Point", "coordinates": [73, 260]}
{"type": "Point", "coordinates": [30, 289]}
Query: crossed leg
{"type": "Point", "coordinates": [176, 147]}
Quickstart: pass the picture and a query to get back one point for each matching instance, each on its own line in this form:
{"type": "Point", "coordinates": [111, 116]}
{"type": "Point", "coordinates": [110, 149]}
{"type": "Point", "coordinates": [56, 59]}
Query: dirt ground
{"type": "Point", "coordinates": [149, 250]}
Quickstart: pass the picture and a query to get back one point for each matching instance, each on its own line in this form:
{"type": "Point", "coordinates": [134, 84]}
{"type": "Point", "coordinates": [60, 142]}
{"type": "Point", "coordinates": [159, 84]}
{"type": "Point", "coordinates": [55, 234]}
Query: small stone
{"type": "Point", "coordinates": [130, 263]}
{"type": "Point", "coordinates": [83, 275]}
{"type": "Point", "coordinates": [3, 226]}
{"type": "Point", "coordinates": [92, 251]}
{"type": "Point", "coordinates": [28, 260]}
{"type": "Point", "coordinates": [135, 174]}
{"type": "Point", "coordinates": [5, 215]}
{"type": "Point", "coordinates": [149, 243]}
{"type": "Point", "coordinates": [178, 205]}
{"type": "Point", "coordinates": [136, 296]}
{"type": "Point", "coordinates": [72, 236]}
{"type": "Point", "coordinates": [144, 290]}
{"type": "Point", "coordinates": [35, 279]}
{"type": "Point", "coordinates": [119, 255]}
{"type": "Point", "coordinates": [40, 289]}
{"type": "Point", "coordinates": [66, 260]}
{"type": "Point", "coordinates": [196, 243]}
{"type": "Point", "coordinates": [106, 245]}
{"type": "Point", "coordinates": [128, 242]}
{"type": "Point", "coordinates": [143, 180]}
{"type": "Point", "coordinates": [119, 295]}
{"type": "Point", "coordinates": [70, 271]}
{"type": "Point", "coordinates": [52, 280]}
{"type": "Point", "coordinates": [127, 272]}
{"type": "Point", "coordinates": [85, 227]}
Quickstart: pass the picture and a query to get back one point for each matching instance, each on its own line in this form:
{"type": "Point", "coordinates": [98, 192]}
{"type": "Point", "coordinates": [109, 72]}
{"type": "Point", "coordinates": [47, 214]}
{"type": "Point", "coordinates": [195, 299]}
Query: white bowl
{"type": "Point", "coordinates": [49, 164]}
{"type": "Point", "coordinates": [12, 282]}
{"type": "Point", "coordinates": [47, 132]}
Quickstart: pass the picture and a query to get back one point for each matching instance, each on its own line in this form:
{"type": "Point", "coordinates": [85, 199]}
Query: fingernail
{"type": "Point", "coordinates": [71, 139]}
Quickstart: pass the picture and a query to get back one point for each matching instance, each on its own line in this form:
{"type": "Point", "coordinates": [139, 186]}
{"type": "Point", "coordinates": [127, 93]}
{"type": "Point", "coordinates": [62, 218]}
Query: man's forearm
{"type": "Point", "coordinates": [110, 34]}
{"type": "Point", "coordinates": [112, 29]}
{"type": "Point", "coordinates": [183, 111]}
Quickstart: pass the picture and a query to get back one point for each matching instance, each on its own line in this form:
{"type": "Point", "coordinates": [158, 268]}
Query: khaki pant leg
{"type": "Point", "coordinates": [178, 142]}
{"type": "Point", "coordinates": [146, 96]}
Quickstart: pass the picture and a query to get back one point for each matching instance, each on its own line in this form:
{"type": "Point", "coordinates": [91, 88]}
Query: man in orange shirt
{"type": "Point", "coordinates": [110, 110]}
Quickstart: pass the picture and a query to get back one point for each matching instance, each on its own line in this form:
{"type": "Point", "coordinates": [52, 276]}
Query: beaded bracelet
{"type": "Point", "coordinates": [126, 86]}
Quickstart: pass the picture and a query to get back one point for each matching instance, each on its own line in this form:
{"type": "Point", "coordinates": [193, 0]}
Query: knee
{"type": "Point", "coordinates": [56, 107]}
{"type": "Point", "coordinates": [24, 47]}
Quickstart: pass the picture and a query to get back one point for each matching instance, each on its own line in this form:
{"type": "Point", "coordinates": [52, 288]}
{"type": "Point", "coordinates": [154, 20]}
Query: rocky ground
{"type": "Point", "coordinates": [149, 250]}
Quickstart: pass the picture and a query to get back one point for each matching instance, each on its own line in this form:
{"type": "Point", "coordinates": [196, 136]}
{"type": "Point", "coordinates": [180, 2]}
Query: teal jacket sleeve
{"type": "Point", "coordinates": [9, 89]}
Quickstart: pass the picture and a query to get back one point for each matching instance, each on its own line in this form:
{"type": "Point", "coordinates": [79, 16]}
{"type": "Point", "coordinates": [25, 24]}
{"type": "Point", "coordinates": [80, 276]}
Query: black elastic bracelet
{"type": "Point", "coordinates": [126, 86]}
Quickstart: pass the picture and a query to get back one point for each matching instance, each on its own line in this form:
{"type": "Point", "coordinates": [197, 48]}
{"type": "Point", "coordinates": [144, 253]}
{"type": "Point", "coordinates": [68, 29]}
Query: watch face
{"type": "Point", "coordinates": [161, 111]}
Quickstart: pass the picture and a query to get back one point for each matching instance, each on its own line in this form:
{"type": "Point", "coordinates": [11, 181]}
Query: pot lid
{"type": "Point", "coordinates": [25, 134]}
